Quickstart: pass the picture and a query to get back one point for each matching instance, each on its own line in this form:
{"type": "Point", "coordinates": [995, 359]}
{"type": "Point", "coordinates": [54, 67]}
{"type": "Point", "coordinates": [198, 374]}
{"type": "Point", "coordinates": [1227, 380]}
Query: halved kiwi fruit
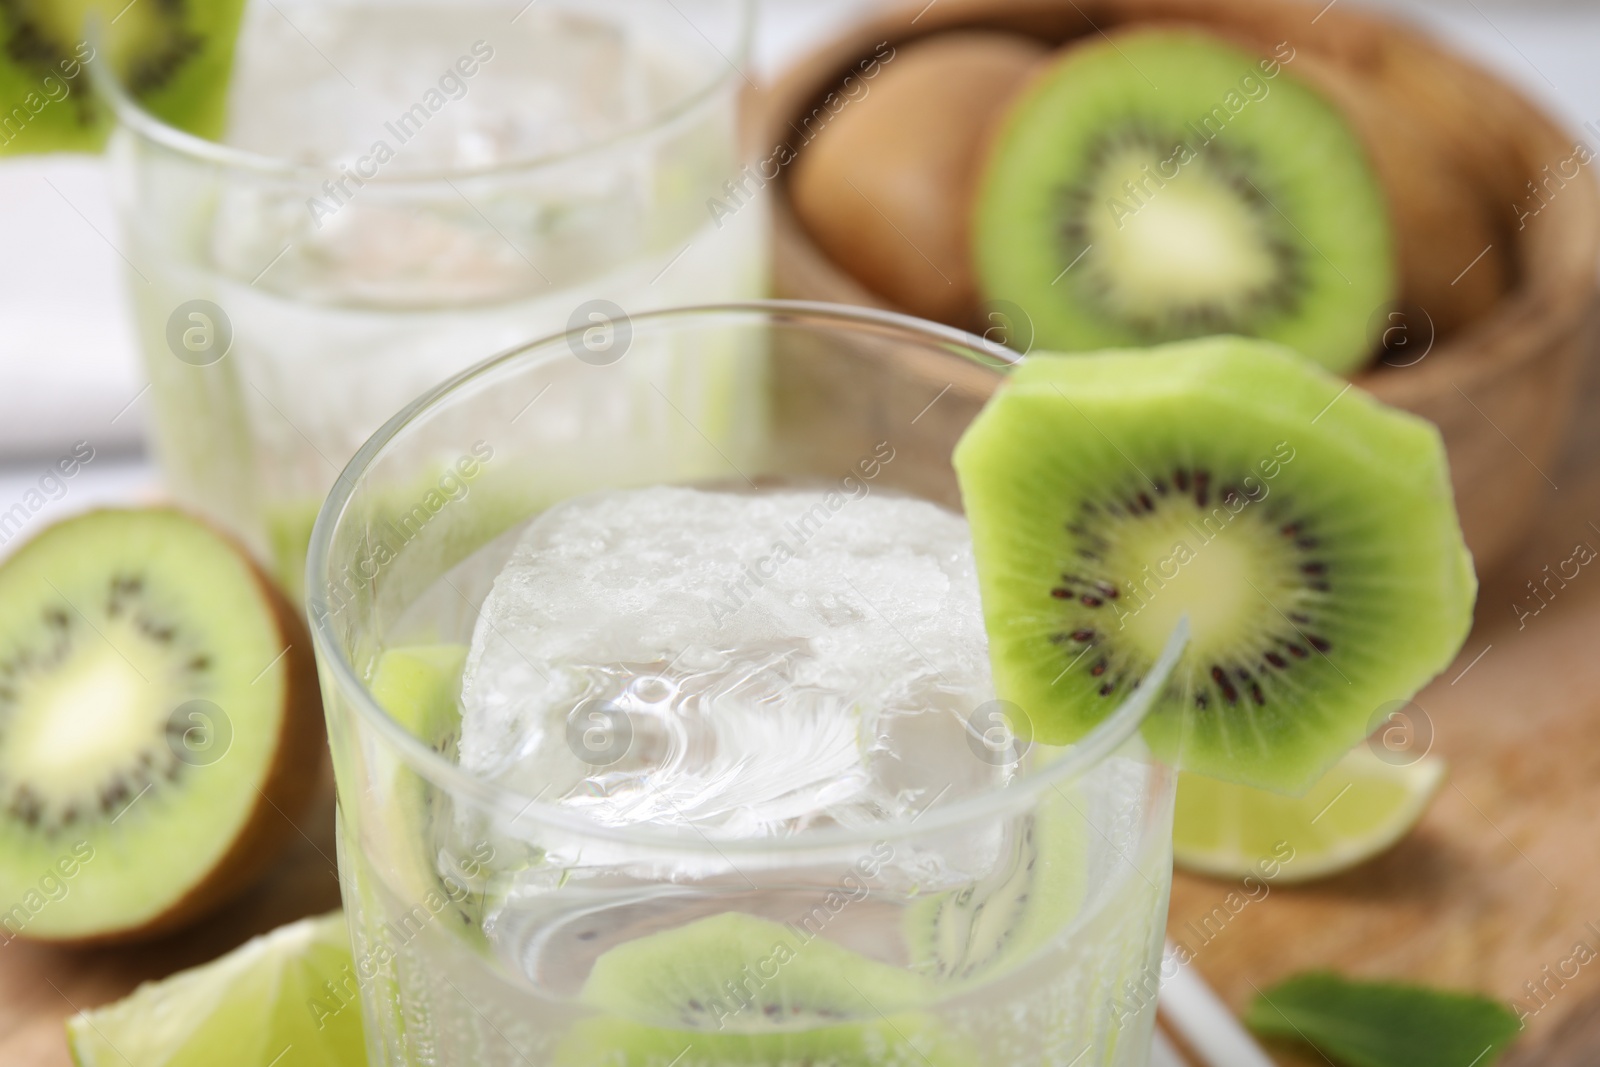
{"type": "Point", "coordinates": [173, 56]}
{"type": "Point", "coordinates": [160, 726]}
{"type": "Point", "coordinates": [887, 185]}
{"type": "Point", "coordinates": [1307, 532]}
{"type": "Point", "coordinates": [1162, 183]}
{"type": "Point", "coordinates": [734, 989]}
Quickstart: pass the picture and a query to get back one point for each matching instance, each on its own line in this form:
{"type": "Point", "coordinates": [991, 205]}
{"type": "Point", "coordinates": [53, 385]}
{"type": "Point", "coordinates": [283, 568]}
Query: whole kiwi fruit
{"type": "Point", "coordinates": [1453, 259]}
{"type": "Point", "coordinates": [886, 189]}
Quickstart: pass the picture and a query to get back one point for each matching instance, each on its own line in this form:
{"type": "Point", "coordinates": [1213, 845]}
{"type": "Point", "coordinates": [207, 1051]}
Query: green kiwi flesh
{"type": "Point", "coordinates": [1307, 531]}
{"type": "Point", "coordinates": [159, 726]}
{"type": "Point", "coordinates": [895, 1041]}
{"type": "Point", "coordinates": [735, 989]}
{"type": "Point", "coordinates": [419, 686]}
{"type": "Point", "coordinates": [1033, 893]}
{"type": "Point", "coordinates": [173, 56]}
{"type": "Point", "coordinates": [1163, 184]}
{"type": "Point", "coordinates": [740, 971]}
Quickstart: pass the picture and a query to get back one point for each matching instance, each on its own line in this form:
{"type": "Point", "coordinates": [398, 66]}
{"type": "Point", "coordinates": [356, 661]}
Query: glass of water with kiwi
{"type": "Point", "coordinates": [671, 736]}
{"type": "Point", "coordinates": [392, 193]}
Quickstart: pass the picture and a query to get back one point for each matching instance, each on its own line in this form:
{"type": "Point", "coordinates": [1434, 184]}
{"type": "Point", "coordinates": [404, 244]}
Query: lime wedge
{"type": "Point", "coordinates": [287, 998]}
{"type": "Point", "coordinates": [1358, 809]}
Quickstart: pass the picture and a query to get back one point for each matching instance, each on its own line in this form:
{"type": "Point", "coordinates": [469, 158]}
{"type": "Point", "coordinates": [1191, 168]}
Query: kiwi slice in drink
{"type": "Point", "coordinates": [173, 56]}
{"type": "Point", "coordinates": [1307, 532]}
{"type": "Point", "coordinates": [1034, 891]}
{"type": "Point", "coordinates": [893, 1041]}
{"type": "Point", "coordinates": [1162, 183]}
{"type": "Point", "coordinates": [734, 989]}
{"type": "Point", "coordinates": [419, 686]}
{"type": "Point", "coordinates": [740, 971]}
{"type": "Point", "coordinates": [160, 726]}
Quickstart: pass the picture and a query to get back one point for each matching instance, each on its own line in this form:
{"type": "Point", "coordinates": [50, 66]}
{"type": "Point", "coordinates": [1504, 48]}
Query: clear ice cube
{"type": "Point", "coordinates": [755, 664]}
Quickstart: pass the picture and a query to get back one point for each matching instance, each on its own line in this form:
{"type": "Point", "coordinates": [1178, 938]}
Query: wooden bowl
{"type": "Point", "coordinates": [1501, 389]}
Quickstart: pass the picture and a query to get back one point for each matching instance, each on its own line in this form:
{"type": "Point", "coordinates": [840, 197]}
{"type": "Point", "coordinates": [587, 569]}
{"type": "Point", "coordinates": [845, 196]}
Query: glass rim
{"type": "Point", "coordinates": [131, 115]}
{"type": "Point", "coordinates": [336, 671]}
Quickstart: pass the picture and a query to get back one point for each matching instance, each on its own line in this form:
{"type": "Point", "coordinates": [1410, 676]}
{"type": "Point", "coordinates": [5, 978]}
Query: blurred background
{"type": "Point", "coordinates": [69, 369]}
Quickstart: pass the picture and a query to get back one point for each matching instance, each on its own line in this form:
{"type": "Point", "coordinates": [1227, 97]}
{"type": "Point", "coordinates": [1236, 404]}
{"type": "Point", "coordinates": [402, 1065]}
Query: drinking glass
{"type": "Point", "coordinates": [402, 190]}
{"type": "Point", "coordinates": [1011, 924]}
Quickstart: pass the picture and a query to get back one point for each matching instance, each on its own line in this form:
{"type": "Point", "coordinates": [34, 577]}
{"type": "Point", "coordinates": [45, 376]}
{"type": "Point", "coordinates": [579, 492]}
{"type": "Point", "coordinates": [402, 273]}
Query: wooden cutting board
{"type": "Point", "coordinates": [1491, 889]}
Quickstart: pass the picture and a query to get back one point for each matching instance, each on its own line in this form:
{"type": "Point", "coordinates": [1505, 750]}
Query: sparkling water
{"type": "Point", "coordinates": [756, 667]}
{"type": "Point", "coordinates": [420, 241]}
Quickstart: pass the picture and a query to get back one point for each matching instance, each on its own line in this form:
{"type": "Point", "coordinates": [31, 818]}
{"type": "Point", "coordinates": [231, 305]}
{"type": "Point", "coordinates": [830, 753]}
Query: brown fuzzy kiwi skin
{"type": "Point", "coordinates": [285, 795]}
{"type": "Point", "coordinates": [886, 189]}
{"type": "Point", "coordinates": [1441, 223]}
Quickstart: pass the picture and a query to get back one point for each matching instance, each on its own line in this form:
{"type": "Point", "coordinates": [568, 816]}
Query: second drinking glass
{"type": "Point", "coordinates": [403, 190]}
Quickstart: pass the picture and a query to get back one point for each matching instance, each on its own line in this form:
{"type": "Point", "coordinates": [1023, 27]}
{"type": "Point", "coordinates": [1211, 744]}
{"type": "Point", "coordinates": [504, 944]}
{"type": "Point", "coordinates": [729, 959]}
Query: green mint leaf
{"type": "Point", "coordinates": [1384, 1024]}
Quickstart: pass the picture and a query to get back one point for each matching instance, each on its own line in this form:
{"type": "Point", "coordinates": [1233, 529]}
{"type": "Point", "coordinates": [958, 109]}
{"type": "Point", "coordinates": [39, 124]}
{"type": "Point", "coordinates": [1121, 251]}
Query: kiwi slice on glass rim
{"type": "Point", "coordinates": [160, 726]}
{"type": "Point", "coordinates": [1306, 531]}
{"type": "Point", "coordinates": [1161, 183]}
{"type": "Point", "coordinates": [173, 56]}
